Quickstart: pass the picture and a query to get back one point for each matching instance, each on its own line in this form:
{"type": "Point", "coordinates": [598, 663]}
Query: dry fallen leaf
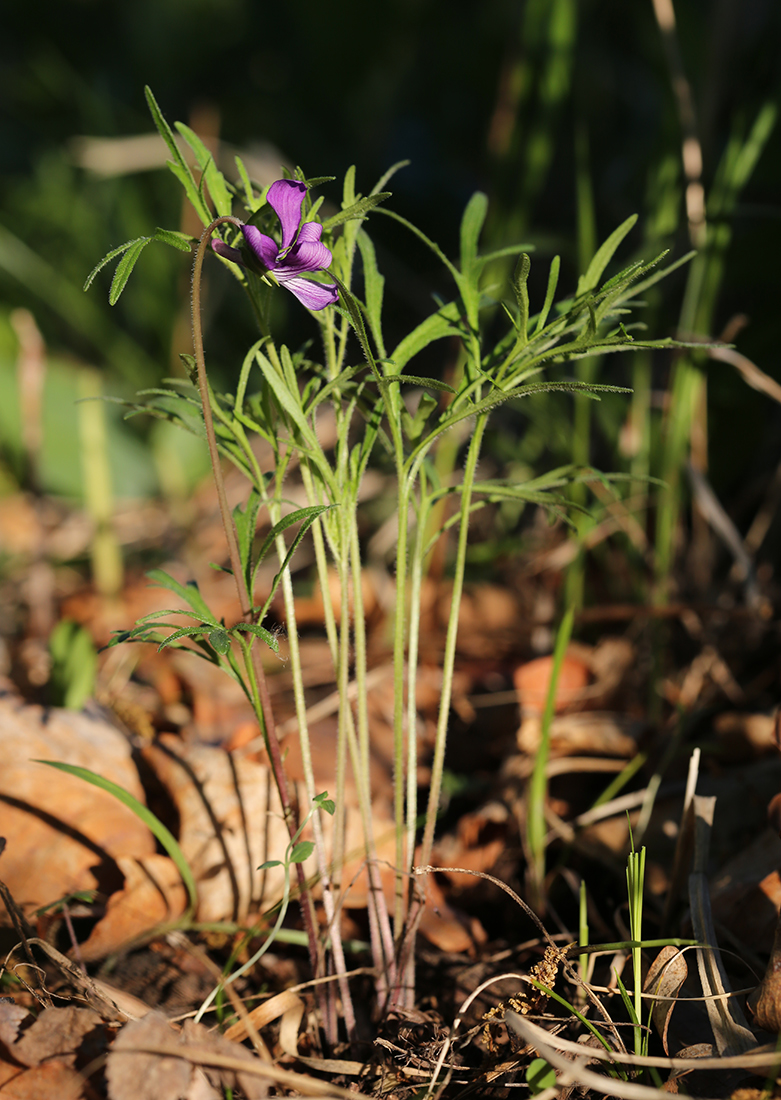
{"type": "Point", "coordinates": [765, 1001]}
{"type": "Point", "coordinates": [666, 975]}
{"type": "Point", "coordinates": [43, 1060]}
{"type": "Point", "coordinates": [63, 834]}
{"type": "Point", "coordinates": [153, 893]}
{"type": "Point", "coordinates": [11, 1016]}
{"type": "Point", "coordinates": [746, 892]}
{"type": "Point", "coordinates": [230, 822]}
{"type": "Point", "coordinates": [588, 733]}
{"type": "Point", "coordinates": [532, 680]}
{"type": "Point", "coordinates": [134, 1074]}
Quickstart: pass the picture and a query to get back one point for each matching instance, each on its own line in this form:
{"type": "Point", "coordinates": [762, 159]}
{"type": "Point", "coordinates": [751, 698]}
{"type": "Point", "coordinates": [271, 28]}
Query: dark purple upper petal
{"type": "Point", "coordinates": [227, 253]}
{"type": "Point", "coordinates": [311, 294]}
{"type": "Point", "coordinates": [264, 247]}
{"type": "Point", "coordinates": [285, 198]}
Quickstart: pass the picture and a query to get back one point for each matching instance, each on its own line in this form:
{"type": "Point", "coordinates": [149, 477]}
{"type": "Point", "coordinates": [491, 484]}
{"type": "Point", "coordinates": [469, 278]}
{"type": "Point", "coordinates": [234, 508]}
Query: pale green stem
{"type": "Point", "coordinates": [309, 781]}
{"type": "Point", "coordinates": [329, 887]}
{"type": "Point", "coordinates": [381, 939]}
{"type": "Point", "coordinates": [264, 710]}
{"type": "Point", "coordinates": [344, 716]}
{"type": "Point", "coordinates": [378, 911]}
{"type": "Point", "coordinates": [360, 660]}
{"type": "Point", "coordinates": [448, 664]}
{"type": "Point", "coordinates": [412, 666]}
{"type": "Point", "coordinates": [399, 655]}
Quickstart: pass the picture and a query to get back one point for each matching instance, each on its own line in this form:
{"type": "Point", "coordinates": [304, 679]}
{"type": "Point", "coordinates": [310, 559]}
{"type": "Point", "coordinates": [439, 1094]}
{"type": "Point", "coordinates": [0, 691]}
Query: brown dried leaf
{"type": "Point", "coordinates": [62, 833]}
{"type": "Point", "coordinates": [133, 1074]}
{"type": "Point", "coordinates": [153, 893]}
{"type": "Point", "coordinates": [230, 822]}
{"type": "Point", "coordinates": [746, 892]}
{"type": "Point", "coordinates": [253, 1088]}
{"type": "Point", "coordinates": [445, 927]}
{"type": "Point", "coordinates": [532, 681]}
{"type": "Point", "coordinates": [765, 1001]}
{"type": "Point", "coordinates": [45, 1054]}
{"type": "Point", "coordinates": [53, 1079]}
{"type": "Point", "coordinates": [743, 736]}
{"type": "Point", "coordinates": [665, 977]}
{"type": "Point", "coordinates": [57, 1033]}
{"type": "Point", "coordinates": [585, 734]}
{"type": "Point", "coordinates": [11, 1016]}
{"type": "Point", "coordinates": [478, 842]}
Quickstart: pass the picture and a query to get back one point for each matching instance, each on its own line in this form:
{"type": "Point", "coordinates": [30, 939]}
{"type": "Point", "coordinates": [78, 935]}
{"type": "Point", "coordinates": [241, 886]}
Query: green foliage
{"type": "Point", "coordinates": [278, 397]}
{"type": "Point", "coordinates": [540, 1076]}
{"type": "Point", "coordinates": [74, 664]}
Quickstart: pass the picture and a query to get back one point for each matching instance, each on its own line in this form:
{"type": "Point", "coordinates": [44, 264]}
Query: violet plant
{"type": "Point", "coordinates": [424, 426]}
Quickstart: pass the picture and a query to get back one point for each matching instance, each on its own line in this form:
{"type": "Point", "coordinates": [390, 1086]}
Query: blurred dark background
{"type": "Point", "coordinates": [563, 111]}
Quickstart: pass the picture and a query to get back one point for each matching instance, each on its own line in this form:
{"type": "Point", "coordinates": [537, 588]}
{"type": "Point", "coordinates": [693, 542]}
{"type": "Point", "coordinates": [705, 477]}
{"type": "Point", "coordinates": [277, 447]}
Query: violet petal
{"type": "Point", "coordinates": [305, 256]}
{"type": "Point", "coordinates": [285, 198]}
{"type": "Point", "coordinates": [264, 247]}
{"type": "Point", "coordinates": [312, 295]}
{"type": "Point", "coordinates": [310, 231]}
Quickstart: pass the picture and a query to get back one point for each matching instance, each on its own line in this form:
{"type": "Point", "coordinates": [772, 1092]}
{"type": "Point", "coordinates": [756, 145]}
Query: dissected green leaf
{"type": "Point", "coordinates": [472, 223]}
{"type": "Point", "coordinates": [553, 280]}
{"type": "Point", "coordinates": [307, 517]}
{"type": "Point", "coordinates": [427, 383]}
{"type": "Point", "coordinates": [357, 209]}
{"type": "Point", "coordinates": [259, 632]}
{"type": "Point", "coordinates": [188, 592]}
{"type": "Point", "coordinates": [521, 291]}
{"type": "Point", "coordinates": [604, 255]}
{"type": "Point", "coordinates": [220, 641]}
{"type": "Point", "coordinates": [185, 632]}
{"type": "Point", "coordinates": [253, 202]}
{"type": "Point", "coordinates": [246, 521]}
{"type": "Point", "coordinates": [179, 165]}
{"type": "Point", "coordinates": [125, 267]}
{"type": "Point", "coordinates": [394, 168]}
{"type": "Point", "coordinates": [109, 257]}
{"type": "Point", "coordinates": [182, 241]}
{"type": "Point", "coordinates": [413, 425]}
{"type": "Point", "coordinates": [374, 285]}
{"type": "Point", "coordinates": [215, 181]}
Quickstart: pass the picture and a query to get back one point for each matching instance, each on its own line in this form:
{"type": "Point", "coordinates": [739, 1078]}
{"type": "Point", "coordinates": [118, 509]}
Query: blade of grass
{"type": "Point", "coordinates": [161, 833]}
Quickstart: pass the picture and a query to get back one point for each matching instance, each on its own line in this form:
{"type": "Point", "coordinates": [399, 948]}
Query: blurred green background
{"type": "Point", "coordinates": [563, 111]}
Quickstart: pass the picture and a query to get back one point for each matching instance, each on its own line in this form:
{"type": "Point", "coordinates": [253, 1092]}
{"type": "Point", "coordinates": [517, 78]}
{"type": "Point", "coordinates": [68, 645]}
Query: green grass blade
{"type": "Point", "coordinates": [161, 833]}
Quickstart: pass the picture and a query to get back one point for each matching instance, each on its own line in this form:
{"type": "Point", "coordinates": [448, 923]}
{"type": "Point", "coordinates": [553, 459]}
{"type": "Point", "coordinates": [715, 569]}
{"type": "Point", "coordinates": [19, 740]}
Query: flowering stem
{"type": "Point", "coordinates": [264, 709]}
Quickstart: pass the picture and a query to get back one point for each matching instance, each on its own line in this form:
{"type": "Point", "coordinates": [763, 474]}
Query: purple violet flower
{"type": "Point", "coordinates": [301, 249]}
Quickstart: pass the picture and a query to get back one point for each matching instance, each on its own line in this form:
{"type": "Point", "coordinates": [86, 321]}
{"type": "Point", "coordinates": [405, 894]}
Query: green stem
{"type": "Point", "coordinates": [264, 710]}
